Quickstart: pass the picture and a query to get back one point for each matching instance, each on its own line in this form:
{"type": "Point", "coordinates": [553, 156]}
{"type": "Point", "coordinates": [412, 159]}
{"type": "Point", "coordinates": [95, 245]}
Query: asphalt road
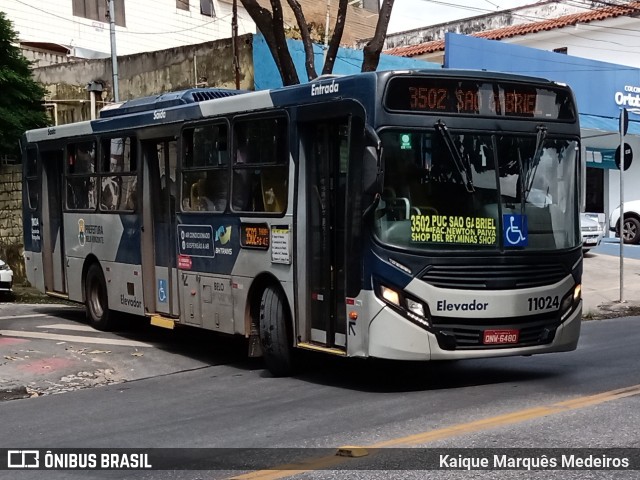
{"type": "Point", "coordinates": [216, 398]}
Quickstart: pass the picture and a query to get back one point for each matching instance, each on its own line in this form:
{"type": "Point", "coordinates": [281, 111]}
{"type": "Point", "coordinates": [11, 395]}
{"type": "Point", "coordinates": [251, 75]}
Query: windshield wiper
{"type": "Point", "coordinates": [463, 169]}
{"type": "Point", "coordinates": [530, 174]}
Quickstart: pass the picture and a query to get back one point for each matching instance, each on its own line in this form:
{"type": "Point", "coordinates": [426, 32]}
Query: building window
{"type": "Point", "coordinates": [182, 5]}
{"type": "Point", "coordinates": [560, 50]}
{"type": "Point", "coordinates": [206, 8]}
{"type": "Point", "coordinates": [99, 10]}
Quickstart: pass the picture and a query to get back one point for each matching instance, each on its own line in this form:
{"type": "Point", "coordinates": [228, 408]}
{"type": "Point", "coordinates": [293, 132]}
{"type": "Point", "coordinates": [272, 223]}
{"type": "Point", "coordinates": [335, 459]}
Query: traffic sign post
{"type": "Point", "coordinates": [621, 160]}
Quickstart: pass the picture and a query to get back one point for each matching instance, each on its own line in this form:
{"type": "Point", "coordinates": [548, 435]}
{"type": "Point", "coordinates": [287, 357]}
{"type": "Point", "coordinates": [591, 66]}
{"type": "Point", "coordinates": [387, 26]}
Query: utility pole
{"type": "Point", "coordinates": [326, 31]}
{"type": "Point", "coordinates": [114, 56]}
{"type": "Point", "coordinates": [234, 41]}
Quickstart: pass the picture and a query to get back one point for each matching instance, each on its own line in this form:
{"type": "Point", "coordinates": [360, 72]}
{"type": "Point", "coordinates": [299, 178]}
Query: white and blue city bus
{"type": "Point", "coordinates": [410, 215]}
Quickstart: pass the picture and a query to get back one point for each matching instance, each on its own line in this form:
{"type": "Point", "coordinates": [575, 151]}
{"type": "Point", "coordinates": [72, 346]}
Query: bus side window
{"type": "Point", "coordinates": [274, 189]}
{"type": "Point", "coordinates": [241, 198]}
{"type": "Point", "coordinates": [81, 176]}
{"type": "Point", "coordinates": [260, 173]}
{"type": "Point", "coordinates": [118, 179]}
{"type": "Point", "coordinates": [205, 170]}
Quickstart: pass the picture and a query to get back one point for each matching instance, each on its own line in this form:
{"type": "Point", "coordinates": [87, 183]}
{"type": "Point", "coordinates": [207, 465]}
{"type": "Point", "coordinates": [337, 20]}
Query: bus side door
{"type": "Point", "coordinates": [326, 211]}
{"type": "Point", "coordinates": [52, 231]}
{"type": "Point", "coordinates": [159, 160]}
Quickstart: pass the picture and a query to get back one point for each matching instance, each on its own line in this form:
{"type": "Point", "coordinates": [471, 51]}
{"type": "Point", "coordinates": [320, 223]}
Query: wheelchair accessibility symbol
{"type": "Point", "coordinates": [514, 230]}
{"type": "Point", "coordinates": [162, 291]}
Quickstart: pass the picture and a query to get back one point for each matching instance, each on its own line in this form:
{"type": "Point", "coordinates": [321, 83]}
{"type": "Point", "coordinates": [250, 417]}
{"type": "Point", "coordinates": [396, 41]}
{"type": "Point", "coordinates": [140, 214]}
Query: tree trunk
{"type": "Point", "coordinates": [276, 42]}
{"type": "Point", "coordinates": [338, 30]}
{"type": "Point", "coordinates": [373, 48]}
{"type": "Point", "coordinates": [310, 63]}
{"type": "Point", "coordinates": [288, 72]}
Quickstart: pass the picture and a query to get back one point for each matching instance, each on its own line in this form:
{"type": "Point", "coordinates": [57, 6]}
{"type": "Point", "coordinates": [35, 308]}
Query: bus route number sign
{"type": "Point", "coordinates": [255, 235]}
{"type": "Point", "coordinates": [477, 97]}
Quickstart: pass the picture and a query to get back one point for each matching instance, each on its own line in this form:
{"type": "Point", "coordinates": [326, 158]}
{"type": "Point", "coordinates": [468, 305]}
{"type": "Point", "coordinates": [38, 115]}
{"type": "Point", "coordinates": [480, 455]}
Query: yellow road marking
{"type": "Point", "coordinates": [283, 471]}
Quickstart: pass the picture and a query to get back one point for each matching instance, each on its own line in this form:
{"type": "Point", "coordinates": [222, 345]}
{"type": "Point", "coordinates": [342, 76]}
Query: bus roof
{"type": "Point", "coordinates": [198, 103]}
{"type": "Point", "coordinates": [166, 100]}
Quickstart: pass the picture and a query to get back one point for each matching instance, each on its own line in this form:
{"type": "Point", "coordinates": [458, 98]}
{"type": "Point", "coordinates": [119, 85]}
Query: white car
{"type": "Point", "coordinates": [591, 232]}
{"type": "Point", "coordinates": [6, 277]}
{"type": "Point", "coordinates": [631, 231]}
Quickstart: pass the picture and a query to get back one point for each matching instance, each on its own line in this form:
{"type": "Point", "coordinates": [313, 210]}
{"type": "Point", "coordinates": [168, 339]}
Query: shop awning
{"type": "Point", "coordinates": [605, 124]}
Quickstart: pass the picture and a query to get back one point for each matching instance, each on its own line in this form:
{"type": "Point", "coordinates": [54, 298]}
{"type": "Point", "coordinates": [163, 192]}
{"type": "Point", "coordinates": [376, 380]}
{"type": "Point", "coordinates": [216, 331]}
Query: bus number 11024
{"type": "Point", "coordinates": [543, 303]}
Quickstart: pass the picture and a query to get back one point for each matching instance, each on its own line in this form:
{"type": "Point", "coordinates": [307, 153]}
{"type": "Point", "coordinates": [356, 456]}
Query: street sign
{"type": "Point", "coordinates": [624, 122]}
{"type": "Point", "coordinates": [628, 156]}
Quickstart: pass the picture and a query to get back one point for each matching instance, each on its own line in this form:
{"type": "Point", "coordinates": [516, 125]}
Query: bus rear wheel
{"type": "Point", "coordinates": [274, 335]}
{"type": "Point", "coordinates": [96, 299]}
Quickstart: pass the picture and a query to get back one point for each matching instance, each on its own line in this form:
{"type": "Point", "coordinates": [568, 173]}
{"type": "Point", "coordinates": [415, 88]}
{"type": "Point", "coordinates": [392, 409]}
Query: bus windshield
{"type": "Point", "coordinates": [460, 190]}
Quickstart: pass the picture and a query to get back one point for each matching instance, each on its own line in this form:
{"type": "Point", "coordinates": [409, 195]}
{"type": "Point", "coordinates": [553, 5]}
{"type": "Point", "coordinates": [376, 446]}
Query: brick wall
{"type": "Point", "coordinates": [11, 243]}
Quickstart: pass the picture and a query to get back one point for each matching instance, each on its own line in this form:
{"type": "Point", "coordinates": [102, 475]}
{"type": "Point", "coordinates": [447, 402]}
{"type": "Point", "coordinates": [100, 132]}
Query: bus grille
{"type": "Point", "coordinates": [467, 337]}
{"type": "Point", "coordinates": [493, 277]}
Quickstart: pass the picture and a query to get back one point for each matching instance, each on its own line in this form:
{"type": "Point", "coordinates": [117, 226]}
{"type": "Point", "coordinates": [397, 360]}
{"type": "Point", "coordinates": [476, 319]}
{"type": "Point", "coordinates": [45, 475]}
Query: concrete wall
{"type": "Point", "coordinates": [206, 64]}
{"type": "Point", "coordinates": [11, 242]}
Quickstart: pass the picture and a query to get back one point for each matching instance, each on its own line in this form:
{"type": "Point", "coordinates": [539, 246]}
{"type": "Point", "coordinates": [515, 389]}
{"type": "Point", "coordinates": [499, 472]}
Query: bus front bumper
{"type": "Point", "coordinates": [393, 337]}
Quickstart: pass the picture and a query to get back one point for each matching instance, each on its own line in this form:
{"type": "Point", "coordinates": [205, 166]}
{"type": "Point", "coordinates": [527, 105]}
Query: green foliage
{"type": "Point", "coordinates": [20, 95]}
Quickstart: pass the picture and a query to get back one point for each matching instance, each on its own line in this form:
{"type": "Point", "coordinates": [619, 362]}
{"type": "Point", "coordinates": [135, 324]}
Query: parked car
{"type": "Point", "coordinates": [591, 232]}
{"type": "Point", "coordinates": [631, 230]}
{"type": "Point", "coordinates": [6, 277]}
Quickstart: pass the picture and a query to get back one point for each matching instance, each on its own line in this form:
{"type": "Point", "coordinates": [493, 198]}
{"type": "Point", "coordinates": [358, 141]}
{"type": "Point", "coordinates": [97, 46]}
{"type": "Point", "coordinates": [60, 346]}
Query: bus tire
{"type": "Point", "coordinates": [96, 299]}
{"type": "Point", "coordinates": [274, 337]}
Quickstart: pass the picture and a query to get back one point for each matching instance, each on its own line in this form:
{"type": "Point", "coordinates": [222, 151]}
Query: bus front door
{"type": "Point", "coordinates": [53, 252]}
{"type": "Point", "coordinates": [326, 152]}
{"type": "Point", "coordinates": [158, 233]}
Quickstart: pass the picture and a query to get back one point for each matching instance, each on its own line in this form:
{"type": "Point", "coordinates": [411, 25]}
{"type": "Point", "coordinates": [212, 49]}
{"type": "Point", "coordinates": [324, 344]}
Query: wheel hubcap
{"type": "Point", "coordinates": [94, 301]}
{"type": "Point", "coordinates": [629, 231]}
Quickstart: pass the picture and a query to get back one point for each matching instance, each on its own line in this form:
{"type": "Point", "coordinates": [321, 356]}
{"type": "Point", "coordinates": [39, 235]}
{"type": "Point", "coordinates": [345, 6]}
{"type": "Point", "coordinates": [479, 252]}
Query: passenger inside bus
{"type": "Point", "coordinates": [210, 193]}
{"type": "Point", "coordinates": [242, 181]}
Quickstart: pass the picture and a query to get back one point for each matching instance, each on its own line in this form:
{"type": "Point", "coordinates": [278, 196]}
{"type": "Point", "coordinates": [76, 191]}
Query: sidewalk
{"type": "Point", "coordinates": [601, 286]}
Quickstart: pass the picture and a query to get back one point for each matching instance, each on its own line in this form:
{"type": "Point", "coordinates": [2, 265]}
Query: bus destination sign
{"type": "Point", "coordinates": [483, 98]}
{"type": "Point", "coordinates": [255, 235]}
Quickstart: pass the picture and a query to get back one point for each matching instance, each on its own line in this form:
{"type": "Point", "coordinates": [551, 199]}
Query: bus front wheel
{"type": "Point", "coordinates": [274, 336]}
{"type": "Point", "coordinates": [96, 300]}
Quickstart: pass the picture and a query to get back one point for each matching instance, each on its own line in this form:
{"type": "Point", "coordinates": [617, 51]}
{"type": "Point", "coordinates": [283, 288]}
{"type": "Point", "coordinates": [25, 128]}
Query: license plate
{"type": "Point", "coordinates": [500, 337]}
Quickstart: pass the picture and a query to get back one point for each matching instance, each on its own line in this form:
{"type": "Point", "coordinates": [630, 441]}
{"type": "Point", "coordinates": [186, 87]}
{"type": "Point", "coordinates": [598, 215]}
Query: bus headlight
{"type": "Point", "coordinates": [409, 307]}
{"type": "Point", "coordinates": [390, 295]}
{"type": "Point", "coordinates": [415, 307]}
{"type": "Point", "coordinates": [570, 302]}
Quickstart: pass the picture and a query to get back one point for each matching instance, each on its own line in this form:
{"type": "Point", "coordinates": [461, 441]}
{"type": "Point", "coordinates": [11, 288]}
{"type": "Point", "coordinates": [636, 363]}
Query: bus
{"type": "Point", "coordinates": [408, 215]}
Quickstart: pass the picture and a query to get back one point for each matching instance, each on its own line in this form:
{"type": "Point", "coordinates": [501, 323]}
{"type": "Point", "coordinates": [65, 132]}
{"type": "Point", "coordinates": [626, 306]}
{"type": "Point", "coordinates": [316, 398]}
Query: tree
{"type": "Point", "coordinates": [21, 100]}
{"type": "Point", "coordinates": [271, 25]}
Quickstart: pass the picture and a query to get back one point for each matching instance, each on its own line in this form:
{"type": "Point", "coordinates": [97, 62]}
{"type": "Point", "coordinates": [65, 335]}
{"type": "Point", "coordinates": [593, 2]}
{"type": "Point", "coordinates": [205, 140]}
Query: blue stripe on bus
{"type": "Point", "coordinates": [129, 248]}
{"type": "Point", "coordinates": [226, 242]}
